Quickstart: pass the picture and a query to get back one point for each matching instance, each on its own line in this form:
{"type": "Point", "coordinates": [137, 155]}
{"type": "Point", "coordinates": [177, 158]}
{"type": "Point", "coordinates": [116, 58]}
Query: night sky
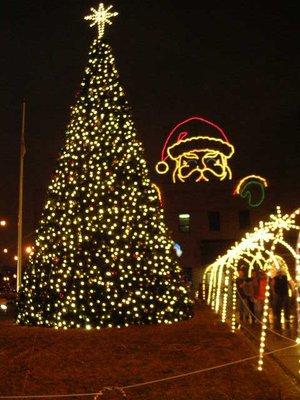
{"type": "Point", "coordinates": [235, 63]}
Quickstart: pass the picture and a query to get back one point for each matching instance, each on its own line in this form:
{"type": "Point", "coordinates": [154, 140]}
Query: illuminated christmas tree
{"type": "Point", "coordinates": [103, 255]}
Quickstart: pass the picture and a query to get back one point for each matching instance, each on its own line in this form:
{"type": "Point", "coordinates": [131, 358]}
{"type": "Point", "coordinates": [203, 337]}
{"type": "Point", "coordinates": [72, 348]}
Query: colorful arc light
{"type": "Point", "coordinates": [245, 186]}
{"type": "Point", "coordinates": [195, 156]}
{"type": "Point", "coordinates": [158, 193]}
{"type": "Point", "coordinates": [206, 121]}
{"type": "Point", "coordinates": [259, 248]}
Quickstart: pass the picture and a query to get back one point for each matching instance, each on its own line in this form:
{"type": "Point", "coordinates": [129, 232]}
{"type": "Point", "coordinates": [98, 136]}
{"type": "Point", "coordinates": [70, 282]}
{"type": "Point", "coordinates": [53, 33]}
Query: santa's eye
{"type": "Point", "coordinates": [192, 163]}
{"type": "Point", "coordinates": [210, 160]}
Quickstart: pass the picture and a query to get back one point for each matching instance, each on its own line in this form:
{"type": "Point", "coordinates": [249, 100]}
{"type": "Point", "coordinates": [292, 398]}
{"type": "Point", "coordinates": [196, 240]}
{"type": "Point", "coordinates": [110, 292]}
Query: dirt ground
{"type": "Point", "coordinates": [39, 361]}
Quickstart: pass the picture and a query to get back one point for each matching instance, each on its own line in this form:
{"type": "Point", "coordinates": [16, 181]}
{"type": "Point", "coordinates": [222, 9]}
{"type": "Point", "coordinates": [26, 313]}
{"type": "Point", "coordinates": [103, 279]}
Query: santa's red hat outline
{"type": "Point", "coordinates": [198, 133]}
{"type": "Point", "coordinates": [183, 134]}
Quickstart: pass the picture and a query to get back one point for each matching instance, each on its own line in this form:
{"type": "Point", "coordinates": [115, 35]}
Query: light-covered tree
{"type": "Point", "coordinates": [103, 256]}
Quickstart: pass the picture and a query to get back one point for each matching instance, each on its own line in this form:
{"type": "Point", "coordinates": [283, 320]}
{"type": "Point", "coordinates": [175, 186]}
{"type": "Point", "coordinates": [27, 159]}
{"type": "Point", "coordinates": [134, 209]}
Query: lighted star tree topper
{"type": "Point", "coordinates": [103, 256]}
{"type": "Point", "coordinates": [101, 17]}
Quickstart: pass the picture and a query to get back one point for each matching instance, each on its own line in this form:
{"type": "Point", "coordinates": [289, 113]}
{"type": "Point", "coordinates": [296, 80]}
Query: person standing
{"type": "Point", "coordinates": [280, 291]}
{"type": "Point", "coordinates": [260, 293]}
{"type": "Point", "coordinates": [249, 291]}
{"type": "Point", "coordinates": [241, 295]}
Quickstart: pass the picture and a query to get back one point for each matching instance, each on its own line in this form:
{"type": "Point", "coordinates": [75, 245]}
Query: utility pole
{"type": "Point", "coordinates": [20, 213]}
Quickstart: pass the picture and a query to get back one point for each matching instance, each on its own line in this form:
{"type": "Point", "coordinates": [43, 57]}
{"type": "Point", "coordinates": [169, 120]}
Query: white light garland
{"type": "Point", "coordinates": [258, 247]}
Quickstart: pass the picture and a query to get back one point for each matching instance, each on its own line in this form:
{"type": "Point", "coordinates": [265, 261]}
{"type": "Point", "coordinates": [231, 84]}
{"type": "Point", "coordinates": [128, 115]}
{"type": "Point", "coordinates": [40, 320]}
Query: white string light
{"type": "Point", "coordinates": [258, 247]}
{"type": "Point", "coordinates": [101, 17]}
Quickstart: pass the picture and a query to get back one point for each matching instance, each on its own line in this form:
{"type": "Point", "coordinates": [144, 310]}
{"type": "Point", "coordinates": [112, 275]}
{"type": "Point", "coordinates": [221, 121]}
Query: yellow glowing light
{"type": "Point", "coordinates": [5, 251]}
{"type": "Point", "coordinates": [162, 167]}
{"type": "Point", "coordinates": [29, 249]}
{"type": "Point", "coordinates": [101, 17]}
{"type": "Point", "coordinates": [200, 156]}
{"type": "Point", "coordinates": [16, 258]}
{"type": "Point", "coordinates": [3, 222]}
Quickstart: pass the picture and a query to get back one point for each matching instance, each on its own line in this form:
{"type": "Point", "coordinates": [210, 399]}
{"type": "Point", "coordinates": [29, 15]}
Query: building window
{"type": "Point", "coordinates": [244, 219]}
{"type": "Point", "coordinates": [214, 220]}
{"type": "Point", "coordinates": [184, 222]}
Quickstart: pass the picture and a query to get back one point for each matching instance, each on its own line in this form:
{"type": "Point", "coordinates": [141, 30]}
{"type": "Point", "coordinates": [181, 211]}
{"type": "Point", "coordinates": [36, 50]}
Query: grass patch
{"type": "Point", "coordinates": [36, 361]}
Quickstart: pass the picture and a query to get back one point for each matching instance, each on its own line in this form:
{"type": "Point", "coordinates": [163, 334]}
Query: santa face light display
{"type": "Point", "coordinates": [200, 153]}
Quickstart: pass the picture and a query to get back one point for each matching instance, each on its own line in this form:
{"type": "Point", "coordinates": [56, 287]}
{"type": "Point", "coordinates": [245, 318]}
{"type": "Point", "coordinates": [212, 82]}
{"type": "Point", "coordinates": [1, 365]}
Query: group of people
{"type": "Point", "coordinates": [251, 292]}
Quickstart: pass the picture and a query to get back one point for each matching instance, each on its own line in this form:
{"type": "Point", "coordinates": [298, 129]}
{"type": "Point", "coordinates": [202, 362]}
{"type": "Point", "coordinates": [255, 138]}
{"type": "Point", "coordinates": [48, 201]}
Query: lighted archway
{"type": "Point", "coordinates": [262, 247]}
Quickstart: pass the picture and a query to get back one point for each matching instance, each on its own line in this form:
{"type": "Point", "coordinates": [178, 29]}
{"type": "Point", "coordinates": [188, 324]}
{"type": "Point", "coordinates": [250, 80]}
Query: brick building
{"type": "Point", "coordinates": [206, 219]}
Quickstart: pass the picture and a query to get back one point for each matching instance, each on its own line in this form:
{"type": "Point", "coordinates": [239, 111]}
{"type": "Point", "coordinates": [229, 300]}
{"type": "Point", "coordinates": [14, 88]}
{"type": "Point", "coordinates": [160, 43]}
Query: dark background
{"type": "Point", "coordinates": [234, 62]}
